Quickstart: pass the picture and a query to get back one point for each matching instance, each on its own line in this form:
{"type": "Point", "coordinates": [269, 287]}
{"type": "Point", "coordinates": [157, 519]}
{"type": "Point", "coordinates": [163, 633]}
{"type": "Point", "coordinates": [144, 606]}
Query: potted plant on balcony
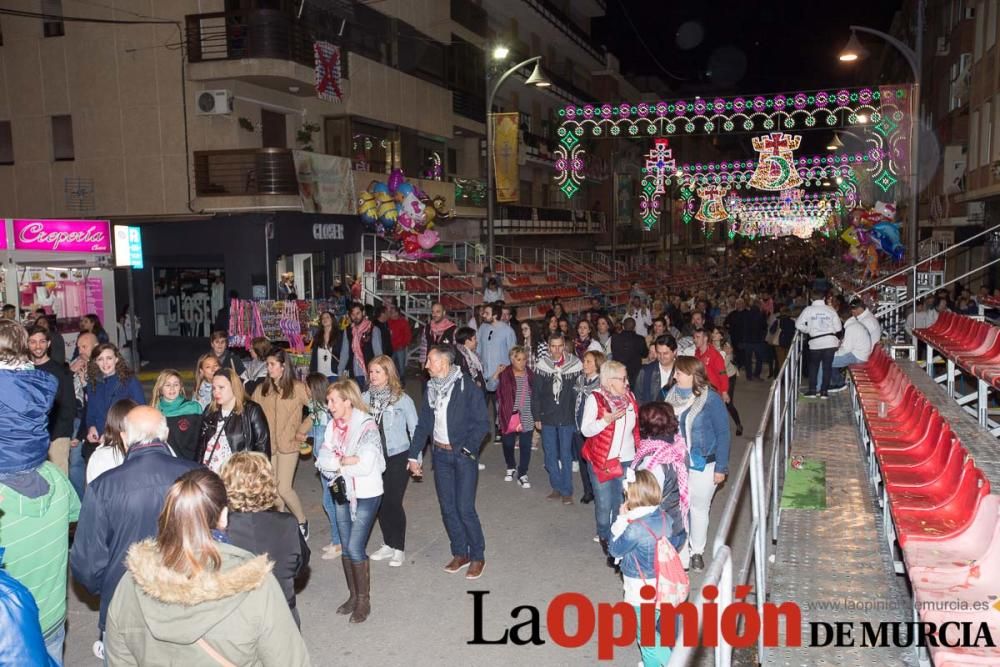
{"type": "Point", "coordinates": [304, 135]}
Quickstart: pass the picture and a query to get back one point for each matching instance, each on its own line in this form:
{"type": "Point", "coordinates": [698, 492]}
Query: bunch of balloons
{"type": "Point", "coordinates": [873, 231]}
{"type": "Point", "coordinates": [398, 210]}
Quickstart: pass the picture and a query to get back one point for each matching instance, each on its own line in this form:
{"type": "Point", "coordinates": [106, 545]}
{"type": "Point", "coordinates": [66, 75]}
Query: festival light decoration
{"type": "Point", "coordinates": [776, 168]}
{"type": "Point", "coordinates": [659, 164]}
{"type": "Point", "coordinates": [712, 207]}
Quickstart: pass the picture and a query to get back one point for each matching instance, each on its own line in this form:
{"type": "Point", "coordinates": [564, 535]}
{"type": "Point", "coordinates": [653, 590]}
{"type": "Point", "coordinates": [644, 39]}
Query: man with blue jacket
{"type": "Point", "coordinates": [122, 506]}
{"type": "Point", "coordinates": [453, 415]}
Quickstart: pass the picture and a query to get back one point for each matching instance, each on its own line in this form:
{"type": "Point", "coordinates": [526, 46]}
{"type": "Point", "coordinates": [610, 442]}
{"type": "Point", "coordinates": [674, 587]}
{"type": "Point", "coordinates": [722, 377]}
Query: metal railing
{"type": "Point", "coordinates": [761, 487]}
{"type": "Point", "coordinates": [242, 172]}
{"type": "Point", "coordinates": [256, 33]}
{"type": "Point", "coordinates": [516, 220]}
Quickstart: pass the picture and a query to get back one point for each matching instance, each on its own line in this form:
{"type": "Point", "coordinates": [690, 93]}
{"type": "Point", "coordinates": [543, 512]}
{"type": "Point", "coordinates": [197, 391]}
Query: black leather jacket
{"type": "Point", "coordinates": [246, 431]}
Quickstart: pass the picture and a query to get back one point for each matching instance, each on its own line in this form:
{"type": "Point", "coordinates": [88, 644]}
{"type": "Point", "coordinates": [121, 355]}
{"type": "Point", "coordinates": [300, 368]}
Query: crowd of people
{"type": "Point", "coordinates": [177, 496]}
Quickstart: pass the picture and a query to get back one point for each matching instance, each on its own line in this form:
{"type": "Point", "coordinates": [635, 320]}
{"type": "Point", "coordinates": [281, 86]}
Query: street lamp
{"type": "Point", "coordinates": [851, 52]}
{"type": "Point", "coordinates": [835, 144]}
{"type": "Point", "coordinates": [536, 79]}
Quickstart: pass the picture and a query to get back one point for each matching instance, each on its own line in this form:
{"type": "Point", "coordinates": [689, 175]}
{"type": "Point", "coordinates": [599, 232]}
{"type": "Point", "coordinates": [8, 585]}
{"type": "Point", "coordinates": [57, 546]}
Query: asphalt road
{"type": "Point", "coordinates": [535, 550]}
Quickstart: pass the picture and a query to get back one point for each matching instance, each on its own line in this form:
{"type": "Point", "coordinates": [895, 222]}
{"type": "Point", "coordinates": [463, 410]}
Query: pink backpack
{"type": "Point", "coordinates": [672, 585]}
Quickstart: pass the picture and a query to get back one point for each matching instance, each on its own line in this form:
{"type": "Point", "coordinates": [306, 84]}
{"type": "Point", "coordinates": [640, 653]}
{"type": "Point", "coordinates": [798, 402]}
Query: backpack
{"type": "Point", "coordinates": [672, 585]}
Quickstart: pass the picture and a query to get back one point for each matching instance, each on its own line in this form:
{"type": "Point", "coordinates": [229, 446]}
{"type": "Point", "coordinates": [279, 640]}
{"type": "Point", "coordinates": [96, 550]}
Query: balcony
{"type": "Point", "coordinates": [265, 47]}
{"type": "Point", "coordinates": [469, 105]}
{"type": "Point", "coordinates": [568, 27]}
{"type": "Point", "coordinates": [524, 220]}
{"type": "Point", "coordinates": [244, 178]}
{"type": "Point", "coordinates": [470, 16]}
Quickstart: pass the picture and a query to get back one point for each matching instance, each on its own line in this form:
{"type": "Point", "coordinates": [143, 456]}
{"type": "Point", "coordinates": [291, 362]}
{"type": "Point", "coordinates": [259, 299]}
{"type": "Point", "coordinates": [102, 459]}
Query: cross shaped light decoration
{"type": "Point", "coordinates": [659, 164]}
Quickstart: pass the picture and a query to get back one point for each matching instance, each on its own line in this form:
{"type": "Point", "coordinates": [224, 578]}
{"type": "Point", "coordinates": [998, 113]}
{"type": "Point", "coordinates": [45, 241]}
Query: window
{"type": "Point", "coordinates": [62, 138]}
{"type": "Point", "coordinates": [980, 30]}
{"type": "Point", "coordinates": [420, 55]}
{"type": "Point", "coordinates": [52, 27]}
{"type": "Point", "coordinates": [991, 25]}
{"type": "Point", "coordinates": [974, 140]}
{"type": "Point", "coordinates": [986, 134]}
{"type": "Point", "coordinates": [421, 155]}
{"type": "Point", "coordinates": [370, 34]}
{"type": "Point", "coordinates": [996, 123]}
{"type": "Point", "coordinates": [185, 301]}
{"type": "Point", "coordinates": [373, 148]}
{"type": "Point", "coordinates": [6, 143]}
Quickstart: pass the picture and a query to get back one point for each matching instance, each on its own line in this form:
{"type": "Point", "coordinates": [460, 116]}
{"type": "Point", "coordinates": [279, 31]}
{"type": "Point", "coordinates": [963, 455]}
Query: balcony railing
{"type": "Point", "coordinates": [245, 172]}
{"type": "Point", "coordinates": [469, 15]}
{"type": "Point", "coordinates": [568, 27]}
{"type": "Point", "coordinates": [511, 220]}
{"type": "Point", "coordinates": [469, 105]}
{"type": "Point", "coordinates": [258, 33]}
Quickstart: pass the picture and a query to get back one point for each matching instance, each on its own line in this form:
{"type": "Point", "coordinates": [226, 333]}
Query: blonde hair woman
{"type": "Point", "coordinates": [189, 599]}
{"type": "Point", "coordinates": [351, 458]}
{"type": "Point", "coordinates": [396, 416]}
{"type": "Point", "coordinates": [284, 400]}
{"type": "Point", "coordinates": [183, 415]}
{"type": "Point", "coordinates": [254, 526]}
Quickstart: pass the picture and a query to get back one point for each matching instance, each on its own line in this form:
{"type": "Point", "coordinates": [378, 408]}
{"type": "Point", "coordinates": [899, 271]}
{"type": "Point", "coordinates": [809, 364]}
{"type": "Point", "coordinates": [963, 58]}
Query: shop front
{"type": "Point", "coordinates": [63, 267]}
{"type": "Point", "coordinates": [191, 266]}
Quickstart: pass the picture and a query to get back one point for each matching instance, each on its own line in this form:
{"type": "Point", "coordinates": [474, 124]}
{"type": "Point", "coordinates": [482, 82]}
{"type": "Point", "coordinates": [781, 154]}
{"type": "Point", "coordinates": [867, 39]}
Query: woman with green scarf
{"type": "Point", "coordinates": [183, 415]}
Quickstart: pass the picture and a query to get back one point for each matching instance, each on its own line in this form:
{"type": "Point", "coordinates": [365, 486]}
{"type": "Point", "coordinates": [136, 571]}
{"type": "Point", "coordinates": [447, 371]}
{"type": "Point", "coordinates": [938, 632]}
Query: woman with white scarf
{"type": "Point", "coordinates": [610, 425]}
{"type": "Point", "coordinates": [352, 451]}
{"type": "Point", "coordinates": [704, 425]}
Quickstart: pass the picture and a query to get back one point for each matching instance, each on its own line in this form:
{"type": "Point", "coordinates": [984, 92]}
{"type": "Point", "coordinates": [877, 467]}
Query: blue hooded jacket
{"type": "Point", "coordinates": [21, 641]}
{"type": "Point", "coordinates": [26, 397]}
{"type": "Point", "coordinates": [105, 393]}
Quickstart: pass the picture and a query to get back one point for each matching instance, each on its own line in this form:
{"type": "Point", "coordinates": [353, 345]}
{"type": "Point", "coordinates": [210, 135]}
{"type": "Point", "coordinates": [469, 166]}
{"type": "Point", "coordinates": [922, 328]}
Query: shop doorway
{"type": "Point", "coordinates": [273, 131]}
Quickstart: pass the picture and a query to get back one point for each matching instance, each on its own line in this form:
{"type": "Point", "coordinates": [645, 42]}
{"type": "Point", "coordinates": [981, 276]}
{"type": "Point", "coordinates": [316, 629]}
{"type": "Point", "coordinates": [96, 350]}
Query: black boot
{"type": "Point", "coordinates": [362, 586]}
{"type": "Point", "coordinates": [348, 606]}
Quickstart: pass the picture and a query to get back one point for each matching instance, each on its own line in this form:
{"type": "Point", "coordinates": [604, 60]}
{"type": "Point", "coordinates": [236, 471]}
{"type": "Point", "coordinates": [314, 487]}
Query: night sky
{"type": "Point", "coordinates": [730, 47]}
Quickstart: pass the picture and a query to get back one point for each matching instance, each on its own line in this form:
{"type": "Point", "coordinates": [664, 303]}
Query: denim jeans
{"type": "Point", "coordinates": [841, 361]}
{"type": "Point", "coordinates": [557, 445]}
{"type": "Point", "coordinates": [523, 441]}
{"type": "Point", "coordinates": [820, 360]}
{"type": "Point", "coordinates": [652, 656]}
{"type": "Point", "coordinates": [399, 358]}
{"type": "Point", "coordinates": [455, 480]}
{"type": "Point", "coordinates": [54, 643]}
{"type": "Point", "coordinates": [607, 499]}
{"type": "Point", "coordinates": [330, 507]}
{"type": "Point", "coordinates": [354, 532]}
{"type": "Point", "coordinates": [753, 357]}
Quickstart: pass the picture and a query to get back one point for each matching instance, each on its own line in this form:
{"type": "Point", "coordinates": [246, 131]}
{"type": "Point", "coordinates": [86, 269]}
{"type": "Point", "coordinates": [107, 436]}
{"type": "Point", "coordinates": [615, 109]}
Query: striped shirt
{"type": "Point", "coordinates": [522, 402]}
{"type": "Point", "coordinates": [35, 534]}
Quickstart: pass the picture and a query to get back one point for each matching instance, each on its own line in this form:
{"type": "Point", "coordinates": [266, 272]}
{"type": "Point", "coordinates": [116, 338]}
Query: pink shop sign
{"type": "Point", "coordinates": [87, 236]}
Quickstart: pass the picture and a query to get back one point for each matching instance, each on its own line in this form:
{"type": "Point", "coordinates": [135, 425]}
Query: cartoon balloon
{"type": "Point", "coordinates": [405, 221]}
{"type": "Point", "coordinates": [378, 187]}
{"type": "Point", "coordinates": [396, 178]}
{"type": "Point", "coordinates": [368, 208]}
{"type": "Point", "coordinates": [387, 214]}
{"type": "Point", "coordinates": [405, 189]}
{"type": "Point", "coordinates": [411, 244]}
{"type": "Point", "coordinates": [428, 239]}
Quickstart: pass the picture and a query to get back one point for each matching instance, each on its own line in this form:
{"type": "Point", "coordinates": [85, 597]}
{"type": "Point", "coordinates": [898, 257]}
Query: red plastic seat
{"type": "Point", "coordinates": [907, 431]}
{"type": "Point", "coordinates": [947, 518]}
{"type": "Point", "coordinates": [923, 556]}
{"type": "Point", "coordinates": [898, 453]}
{"type": "Point", "coordinates": [925, 471]}
{"type": "Point", "coordinates": [932, 493]}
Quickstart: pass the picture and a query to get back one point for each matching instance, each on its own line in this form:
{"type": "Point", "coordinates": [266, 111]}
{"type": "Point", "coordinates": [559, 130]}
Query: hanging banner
{"type": "Point", "coordinates": [505, 146]}
{"type": "Point", "coordinates": [326, 183]}
{"type": "Point", "coordinates": [327, 72]}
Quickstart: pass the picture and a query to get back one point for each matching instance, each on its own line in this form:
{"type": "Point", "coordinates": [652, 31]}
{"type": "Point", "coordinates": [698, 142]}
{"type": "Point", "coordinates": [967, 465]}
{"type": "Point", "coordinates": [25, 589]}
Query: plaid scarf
{"type": "Point", "coordinates": [439, 389]}
{"type": "Point", "coordinates": [358, 332]}
{"type": "Point", "coordinates": [651, 453]}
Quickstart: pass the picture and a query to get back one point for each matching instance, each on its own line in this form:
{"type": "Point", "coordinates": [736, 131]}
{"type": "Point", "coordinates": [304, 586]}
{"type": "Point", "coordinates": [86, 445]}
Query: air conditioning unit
{"type": "Point", "coordinates": [213, 102]}
{"type": "Point", "coordinates": [942, 46]}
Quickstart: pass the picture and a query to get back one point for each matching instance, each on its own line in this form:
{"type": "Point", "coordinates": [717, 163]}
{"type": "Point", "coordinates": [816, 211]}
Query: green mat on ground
{"type": "Point", "coordinates": [805, 487]}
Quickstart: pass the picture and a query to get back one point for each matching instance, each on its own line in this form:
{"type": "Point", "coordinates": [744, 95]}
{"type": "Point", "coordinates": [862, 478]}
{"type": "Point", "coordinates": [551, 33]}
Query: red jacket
{"type": "Point", "coordinates": [597, 448]}
{"type": "Point", "coordinates": [400, 333]}
{"type": "Point", "coordinates": [715, 366]}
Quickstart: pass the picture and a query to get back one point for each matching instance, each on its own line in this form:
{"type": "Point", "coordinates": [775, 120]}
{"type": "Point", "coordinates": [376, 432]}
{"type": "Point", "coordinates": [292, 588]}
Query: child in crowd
{"type": "Point", "coordinates": [318, 385]}
{"type": "Point", "coordinates": [208, 366]}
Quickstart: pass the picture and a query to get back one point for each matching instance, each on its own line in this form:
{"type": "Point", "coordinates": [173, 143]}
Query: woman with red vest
{"type": "Point", "coordinates": [610, 425]}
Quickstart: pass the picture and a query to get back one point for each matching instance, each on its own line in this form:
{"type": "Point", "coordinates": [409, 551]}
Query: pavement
{"type": "Point", "coordinates": [535, 550]}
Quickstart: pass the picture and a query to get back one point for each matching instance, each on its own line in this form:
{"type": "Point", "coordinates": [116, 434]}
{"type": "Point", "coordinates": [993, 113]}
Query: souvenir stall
{"type": "Point", "coordinates": [282, 322]}
{"type": "Point", "coordinates": [63, 266]}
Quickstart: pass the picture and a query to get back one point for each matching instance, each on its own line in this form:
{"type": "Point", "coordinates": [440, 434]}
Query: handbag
{"type": "Point", "coordinates": [515, 417]}
{"type": "Point", "coordinates": [612, 469]}
{"type": "Point", "coordinates": [338, 490]}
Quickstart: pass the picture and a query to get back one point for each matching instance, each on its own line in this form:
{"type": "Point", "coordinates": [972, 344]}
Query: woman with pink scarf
{"type": "Point", "coordinates": [663, 452]}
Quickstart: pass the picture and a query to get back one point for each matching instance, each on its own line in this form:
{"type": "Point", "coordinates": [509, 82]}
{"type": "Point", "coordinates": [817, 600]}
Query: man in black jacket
{"type": "Point", "coordinates": [657, 377]}
{"type": "Point", "coordinates": [64, 408]}
{"type": "Point", "coordinates": [122, 506]}
{"type": "Point", "coordinates": [629, 348]}
{"type": "Point", "coordinates": [754, 330]}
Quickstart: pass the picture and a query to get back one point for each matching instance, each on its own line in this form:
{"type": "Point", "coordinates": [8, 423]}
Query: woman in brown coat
{"type": "Point", "coordinates": [284, 401]}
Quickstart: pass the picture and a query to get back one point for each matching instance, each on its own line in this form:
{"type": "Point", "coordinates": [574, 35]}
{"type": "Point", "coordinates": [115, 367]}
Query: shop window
{"type": "Point", "coordinates": [62, 138]}
{"type": "Point", "coordinates": [6, 143]}
{"type": "Point", "coordinates": [52, 24]}
{"type": "Point", "coordinates": [186, 301]}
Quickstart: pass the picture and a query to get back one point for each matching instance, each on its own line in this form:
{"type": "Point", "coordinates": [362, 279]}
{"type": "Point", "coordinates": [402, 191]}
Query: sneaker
{"type": "Point", "coordinates": [824, 396]}
{"type": "Point", "coordinates": [304, 529]}
{"type": "Point", "coordinates": [809, 394]}
{"type": "Point", "coordinates": [697, 562]}
{"type": "Point", "coordinates": [576, 466]}
{"type": "Point", "coordinates": [509, 475]}
{"type": "Point", "coordinates": [332, 552]}
{"type": "Point", "coordinates": [397, 558]}
{"type": "Point", "coordinates": [385, 552]}
{"type": "Point", "coordinates": [835, 390]}
{"type": "Point", "coordinates": [98, 649]}
{"type": "Point", "coordinates": [597, 538]}
{"type": "Point", "coordinates": [482, 466]}
{"type": "Point", "coordinates": [523, 481]}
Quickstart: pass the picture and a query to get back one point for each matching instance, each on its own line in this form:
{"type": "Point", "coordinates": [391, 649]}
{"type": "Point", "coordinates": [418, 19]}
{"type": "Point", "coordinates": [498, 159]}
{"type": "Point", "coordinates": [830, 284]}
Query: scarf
{"type": "Point", "coordinates": [471, 360]}
{"type": "Point", "coordinates": [570, 365]}
{"type": "Point", "coordinates": [616, 403]}
{"type": "Point", "coordinates": [379, 400]}
{"type": "Point", "coordinates": [438, 329]}
{"type": "Point", "coordinates": [582, 345]}
{"type": "Point", "coordinates": [177, 407]}
{"type": "Point", "coordinates": [652, 453]}
{"type": "Point", "coordinates": [439, 389]}
{"type": "Point", "coordinates": [687, 406]}
{"type": "Point", "coordinates": [357, 333]}
{"type": "Point", "coordinates": [584, 388]}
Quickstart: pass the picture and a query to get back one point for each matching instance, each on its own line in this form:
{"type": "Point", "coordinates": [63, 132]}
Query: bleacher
{"type": "Point", "coordinates": [931, 468]}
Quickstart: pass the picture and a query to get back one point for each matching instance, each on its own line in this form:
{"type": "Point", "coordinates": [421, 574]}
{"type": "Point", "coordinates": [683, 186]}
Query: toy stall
{"type": "Point", "coordinates": [62, 266]}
